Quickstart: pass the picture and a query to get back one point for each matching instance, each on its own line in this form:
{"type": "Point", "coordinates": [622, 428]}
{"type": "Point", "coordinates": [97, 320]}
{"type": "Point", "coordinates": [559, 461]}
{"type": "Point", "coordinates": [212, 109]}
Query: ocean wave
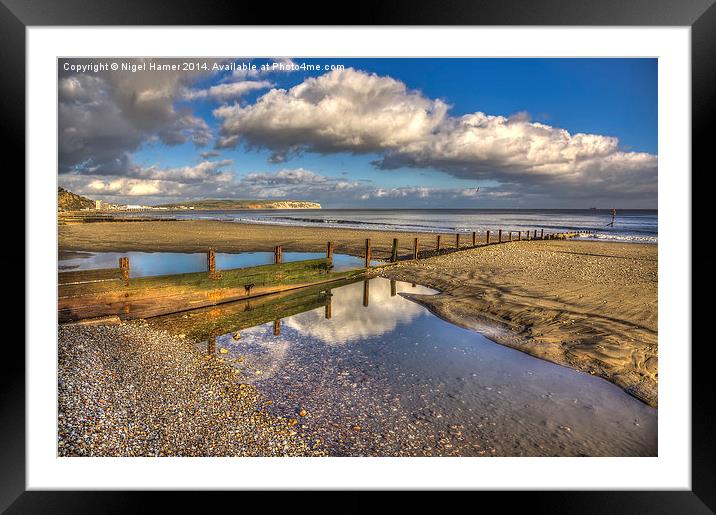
{"type": "Point", "coordinates": [358, 223]}
{"type": "Point", "coordinates": [621, 237]}
{"type": "Point", "coordinates": [349, 224]}
{"type": "Point", "coordinates": [634, 229]}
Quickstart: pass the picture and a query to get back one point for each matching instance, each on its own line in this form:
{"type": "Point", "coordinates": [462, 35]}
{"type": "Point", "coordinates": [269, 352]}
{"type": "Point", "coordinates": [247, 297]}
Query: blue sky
{"type": "Point", "coordinates": [379, 132]}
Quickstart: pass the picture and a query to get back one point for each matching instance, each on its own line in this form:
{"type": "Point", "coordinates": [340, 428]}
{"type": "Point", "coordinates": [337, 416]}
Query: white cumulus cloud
{"type": "Point", "coordinates": [344, 110]}
{"type": "Point", "coordinates": [228, 91]}
{"type": "Point", "coordinates": [358, 112]}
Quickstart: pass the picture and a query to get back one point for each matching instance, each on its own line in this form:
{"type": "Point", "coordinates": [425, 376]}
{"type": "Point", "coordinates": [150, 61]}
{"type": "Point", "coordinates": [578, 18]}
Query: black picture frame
{"type": "Point", "coordinates": [700, 15]}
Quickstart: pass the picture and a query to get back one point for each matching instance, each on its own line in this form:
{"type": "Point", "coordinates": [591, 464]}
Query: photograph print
{"type": "Point", "coordinates": [392, 257]}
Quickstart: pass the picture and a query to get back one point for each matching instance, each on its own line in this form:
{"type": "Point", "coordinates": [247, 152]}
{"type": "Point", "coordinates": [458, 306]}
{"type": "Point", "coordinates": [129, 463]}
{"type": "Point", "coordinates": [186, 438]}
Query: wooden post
{"type": "Point", "coordinates": [211, 261]}
{"type": "Point", "coordinates": [329, 310]}
{"type": "Point", "coordinates": [277, 255]}
{"type": "Point", "coordinates": [535, 235]}
{"type": "Point", "coordinates": [528, 234]}
{"type": "Point", "coordinates": [415, 248]}
{"type": "Point", "coordinates": [211, 264]}
{"type": "Point", "coordinates": [329, 253]}
{"type": "Point", "coordinates": [457, 240]}
{"type": "Point", "coordinates": [394, 252]}
{"type": "Point", "coordinates": [519, 235]}
{"type": "Point", "coordinates": [277, 327]}
{"type": "Point", "coordinates": [124, 268]}
{"type": "Point", "coordinates": [499, 236]}
{"type": "Point", "coordinates": [437, 244]}
{"type": "Point", "coordinates": [541, 236]}
{"type": "Point", "coordinates": [510, 235]}
{"type": "Point", "coordinates": [393, 288]}
{"type": "Point", "coordinates": [487, 239]}
{"type": "Point", "coordinates": [367, 253]}
{"type": "Point", "coordinates": [474, 239]}
{"type": "Point", "coordinates": [366, 293]}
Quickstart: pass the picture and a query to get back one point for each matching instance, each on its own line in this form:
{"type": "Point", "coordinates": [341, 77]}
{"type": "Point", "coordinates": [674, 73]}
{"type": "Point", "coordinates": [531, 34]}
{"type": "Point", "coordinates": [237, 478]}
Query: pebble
{"type": "Point", "coordinates": [133, 390]}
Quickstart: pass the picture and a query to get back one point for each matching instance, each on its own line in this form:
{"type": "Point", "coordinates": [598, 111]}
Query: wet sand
{"type": "Point", "coordinates": [588, 305]}
{"type": "Point", "coordinates": [199, 235]}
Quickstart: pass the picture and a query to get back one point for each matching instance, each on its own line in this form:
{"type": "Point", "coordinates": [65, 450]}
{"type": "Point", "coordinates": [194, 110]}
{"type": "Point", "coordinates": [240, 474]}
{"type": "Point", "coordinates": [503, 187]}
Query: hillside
{"type": "Point", "coordinates": [213, 204]}
{"type": "Point", "coordinates": [68, 201]}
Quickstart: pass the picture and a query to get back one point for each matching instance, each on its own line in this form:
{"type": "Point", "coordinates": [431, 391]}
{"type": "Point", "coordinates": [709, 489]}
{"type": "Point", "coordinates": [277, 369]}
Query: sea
{"type": "Point", "coordinates": [630, 225]}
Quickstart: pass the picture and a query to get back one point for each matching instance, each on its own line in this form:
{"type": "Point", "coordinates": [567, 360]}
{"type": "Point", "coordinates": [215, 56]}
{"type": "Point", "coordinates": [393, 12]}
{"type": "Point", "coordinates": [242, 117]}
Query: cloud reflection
{"type": "Point", "coordinates": [351, 320]}
{"type": "Point", "coordinates": [260, 354]}
{"type": "Point", "coordinates": [257, 353]}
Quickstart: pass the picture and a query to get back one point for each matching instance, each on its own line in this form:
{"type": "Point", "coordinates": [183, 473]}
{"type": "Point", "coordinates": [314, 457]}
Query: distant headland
{"type": "Point", "coordinates": [68, 201]}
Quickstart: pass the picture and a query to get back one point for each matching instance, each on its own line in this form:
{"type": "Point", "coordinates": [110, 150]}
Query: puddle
{"type": "Point", "coordinates": [143, 264]}
{"type": "Point", "coordinates": [379, 375]}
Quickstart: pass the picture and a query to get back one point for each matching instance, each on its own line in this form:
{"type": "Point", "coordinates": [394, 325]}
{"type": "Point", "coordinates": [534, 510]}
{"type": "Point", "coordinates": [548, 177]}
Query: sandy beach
{"type": "Point", "coordinates": [587, 305]}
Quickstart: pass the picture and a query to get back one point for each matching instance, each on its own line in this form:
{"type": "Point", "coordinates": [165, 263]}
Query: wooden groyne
{"type": "Point", "coordinates": [89, 294]}
{"type": "Point", "coordinates": [423, 247]}
{"type": "Point", "coordinates": [85, 217]}
{"type": "Point", "coordinates": [104, 292]}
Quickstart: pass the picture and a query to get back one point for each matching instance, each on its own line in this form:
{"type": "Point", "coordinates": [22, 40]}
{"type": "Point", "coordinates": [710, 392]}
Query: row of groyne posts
{"type": "Point", "coordinates": [439, 246]}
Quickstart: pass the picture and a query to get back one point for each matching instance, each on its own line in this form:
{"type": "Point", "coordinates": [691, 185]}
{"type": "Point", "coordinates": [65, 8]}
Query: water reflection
{"type": "Point", "coordinates": [334, 316]}
{"type": "Point", "coordinates": [379, 314]}
{"type": "Point", "coordinates": [234, 317]}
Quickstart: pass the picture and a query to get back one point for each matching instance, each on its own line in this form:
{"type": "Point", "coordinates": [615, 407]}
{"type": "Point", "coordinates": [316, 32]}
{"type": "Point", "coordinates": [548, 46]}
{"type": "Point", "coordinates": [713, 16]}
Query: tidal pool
{"type": "Point", "coordinates": [379, 375]}
{"type": "Point", "coordinates": [144, 264]}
